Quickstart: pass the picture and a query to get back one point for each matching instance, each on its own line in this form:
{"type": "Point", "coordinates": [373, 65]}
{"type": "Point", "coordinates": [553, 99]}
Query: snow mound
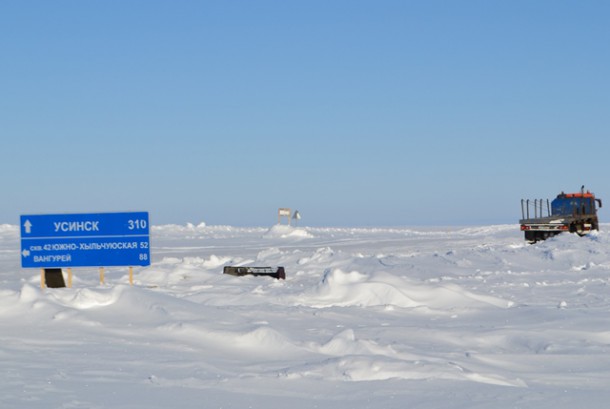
{"type": "Point", "coordinates": [368, 368]}
{"type": "Point", "coordinates": [84, 298]}
{"type": "Point", "coordinates": [343, 289]}
{"type": "Point", "coordinates": [287, 232]}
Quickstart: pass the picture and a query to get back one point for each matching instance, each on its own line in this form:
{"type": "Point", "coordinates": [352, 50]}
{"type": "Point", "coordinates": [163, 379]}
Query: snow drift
{"type": "Point", "coordinates": [387, 318]}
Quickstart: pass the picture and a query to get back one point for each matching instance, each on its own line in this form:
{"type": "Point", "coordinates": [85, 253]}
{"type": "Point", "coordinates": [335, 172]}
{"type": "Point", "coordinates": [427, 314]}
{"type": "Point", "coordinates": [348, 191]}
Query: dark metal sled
{"type": "Point", "coordinates": [278, 273]}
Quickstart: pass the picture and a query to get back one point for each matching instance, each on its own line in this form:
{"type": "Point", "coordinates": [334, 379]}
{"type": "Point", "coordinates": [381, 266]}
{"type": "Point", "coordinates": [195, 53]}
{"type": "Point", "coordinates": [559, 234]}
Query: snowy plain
{"type": "Point", "coordinates": [378, 318]}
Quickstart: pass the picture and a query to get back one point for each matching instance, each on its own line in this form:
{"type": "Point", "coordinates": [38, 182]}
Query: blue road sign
{"type": "Point", "coordinates": [85, 240]}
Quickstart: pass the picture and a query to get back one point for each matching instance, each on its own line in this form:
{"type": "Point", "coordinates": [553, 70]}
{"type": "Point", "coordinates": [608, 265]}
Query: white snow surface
{"type": "Point", "coordinates": [366, 318]}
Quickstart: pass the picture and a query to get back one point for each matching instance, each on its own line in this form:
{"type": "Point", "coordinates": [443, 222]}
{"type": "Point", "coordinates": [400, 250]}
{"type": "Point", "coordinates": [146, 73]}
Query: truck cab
{"type": "Point", "coordinates": [567, 204]}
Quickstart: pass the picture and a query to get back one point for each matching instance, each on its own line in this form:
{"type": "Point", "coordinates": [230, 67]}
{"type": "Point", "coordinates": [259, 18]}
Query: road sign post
{"type": "Point", "coordinates": [85, 240]}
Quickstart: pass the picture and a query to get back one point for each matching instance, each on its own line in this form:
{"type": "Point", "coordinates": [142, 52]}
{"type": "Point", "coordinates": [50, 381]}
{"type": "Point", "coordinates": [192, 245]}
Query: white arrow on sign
{"type": "Point", "coordinates": [25, 253]}
{"type": "Point", "coordinates": [28, 226]}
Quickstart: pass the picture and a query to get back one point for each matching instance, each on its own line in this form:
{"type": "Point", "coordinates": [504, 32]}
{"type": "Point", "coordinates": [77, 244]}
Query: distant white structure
{"type": "Point", "coordinates": [283, 212]}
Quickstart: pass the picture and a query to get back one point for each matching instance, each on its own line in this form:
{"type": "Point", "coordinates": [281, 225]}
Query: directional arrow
{"type": "Point", "coordinates": [28, 226]}
{"type": "Point", "coordinates": [25, 253]}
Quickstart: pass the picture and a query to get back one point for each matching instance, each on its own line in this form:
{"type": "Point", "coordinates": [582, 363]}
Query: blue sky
{"type": "Point", "coordinates": [356, 113]}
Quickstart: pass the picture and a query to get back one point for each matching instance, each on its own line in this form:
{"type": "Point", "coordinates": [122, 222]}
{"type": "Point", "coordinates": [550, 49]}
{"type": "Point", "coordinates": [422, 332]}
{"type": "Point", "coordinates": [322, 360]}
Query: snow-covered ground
{"type": "Point", "coordinates": [366, 318]}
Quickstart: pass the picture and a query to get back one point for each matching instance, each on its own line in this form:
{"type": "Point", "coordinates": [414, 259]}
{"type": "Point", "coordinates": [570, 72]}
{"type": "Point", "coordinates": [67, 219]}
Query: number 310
{"type": "Point", "coordinates": [136, 224]}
